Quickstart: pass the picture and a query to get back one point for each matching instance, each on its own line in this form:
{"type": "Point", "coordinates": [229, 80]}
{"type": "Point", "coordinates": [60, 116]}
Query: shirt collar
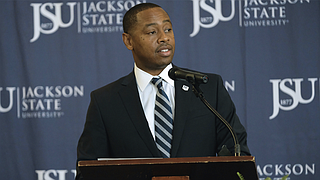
{"type": "Point", "coordinates": [143, 78]}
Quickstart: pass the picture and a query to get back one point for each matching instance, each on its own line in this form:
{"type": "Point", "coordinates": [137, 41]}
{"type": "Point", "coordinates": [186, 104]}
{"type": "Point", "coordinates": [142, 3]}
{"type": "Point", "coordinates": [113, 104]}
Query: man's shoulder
{"type": "Point", "coordinates": [213, 75]}
{"type": "Point", "coordinates": [115, 85]}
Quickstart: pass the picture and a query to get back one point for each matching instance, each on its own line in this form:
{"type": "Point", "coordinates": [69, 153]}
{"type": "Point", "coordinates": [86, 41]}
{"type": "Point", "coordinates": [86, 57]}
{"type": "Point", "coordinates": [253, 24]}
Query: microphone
{"type": "Point", "coordinates": [192, 77]}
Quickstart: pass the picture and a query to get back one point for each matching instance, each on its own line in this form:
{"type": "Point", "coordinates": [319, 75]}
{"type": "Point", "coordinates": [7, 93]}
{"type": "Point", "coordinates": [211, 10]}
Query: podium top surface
{"type": "Point", "coordinates": [197, 168]}
{"type": "Point", "coordinates": [137, 161]}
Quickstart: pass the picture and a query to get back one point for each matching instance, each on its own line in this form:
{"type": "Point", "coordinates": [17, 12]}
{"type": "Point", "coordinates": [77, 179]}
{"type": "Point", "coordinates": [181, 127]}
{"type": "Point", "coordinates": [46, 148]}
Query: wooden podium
{"type": "Point", "coordinates": [193, 168]}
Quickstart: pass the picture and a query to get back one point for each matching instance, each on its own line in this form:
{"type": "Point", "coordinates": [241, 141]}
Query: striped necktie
{"type": "Point", "coordinates": [163, 119]}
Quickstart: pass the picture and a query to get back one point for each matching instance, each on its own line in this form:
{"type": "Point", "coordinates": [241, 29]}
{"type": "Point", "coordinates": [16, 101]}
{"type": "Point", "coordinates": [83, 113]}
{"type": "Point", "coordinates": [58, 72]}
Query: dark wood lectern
{"type": "Point", "coordinates": [194, 168]}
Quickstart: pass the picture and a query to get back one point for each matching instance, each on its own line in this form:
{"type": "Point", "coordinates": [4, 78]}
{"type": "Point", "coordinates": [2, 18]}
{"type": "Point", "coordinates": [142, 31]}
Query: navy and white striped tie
{"type": "Point", "coordinates": [163, 119]}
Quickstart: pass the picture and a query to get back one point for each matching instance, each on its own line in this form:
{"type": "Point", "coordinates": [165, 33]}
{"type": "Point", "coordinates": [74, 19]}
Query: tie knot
{"type": "Point", "coordinates": [157, 82]}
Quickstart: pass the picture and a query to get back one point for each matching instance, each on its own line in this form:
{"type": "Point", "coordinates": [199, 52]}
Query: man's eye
{"type": "Point", "coordinates": [167, 30]}
{"type": "Point", "coordinates": [152, 32]}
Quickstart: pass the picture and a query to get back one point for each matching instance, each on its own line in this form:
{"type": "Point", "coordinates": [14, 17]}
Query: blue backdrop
{"type": "Point", "coordinates": [54, 53]}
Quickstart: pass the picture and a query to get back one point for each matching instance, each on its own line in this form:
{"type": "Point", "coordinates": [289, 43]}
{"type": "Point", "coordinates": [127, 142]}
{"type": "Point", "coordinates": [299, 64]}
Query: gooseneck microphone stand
{"type": "Point", "coordinates": [197, 91]}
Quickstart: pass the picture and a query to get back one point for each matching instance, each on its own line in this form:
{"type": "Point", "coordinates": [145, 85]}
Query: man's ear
{"type": "Point", "coordinates": [127, 40]}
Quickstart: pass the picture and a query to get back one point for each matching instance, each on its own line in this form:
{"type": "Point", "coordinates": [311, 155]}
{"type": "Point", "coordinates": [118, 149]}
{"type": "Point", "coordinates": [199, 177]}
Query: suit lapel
{"type": "Point", "coordinates": [183, 92]}
{"type": "Point", "coordinates": [131, 100]}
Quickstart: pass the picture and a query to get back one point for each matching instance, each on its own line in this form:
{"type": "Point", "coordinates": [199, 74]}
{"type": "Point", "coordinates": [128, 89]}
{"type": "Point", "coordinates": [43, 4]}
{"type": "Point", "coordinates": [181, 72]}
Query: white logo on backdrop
{"type": "Point", "coordinates": [216, 13]}
{"type": "Point", "coordinates": [294, 94]}
{"type": "Point", "coordinates": [38, 102]}
{"type": "Point", "coordinates": [55, 18]}
{"type": "Point", "coordinates": [91, 17]}
{"type": "Point", "coordinates": [280, 170]}
{"type": "Point", "coordinates": [52, 174]}
{"type": "Point", "coordinates": [252, 13]}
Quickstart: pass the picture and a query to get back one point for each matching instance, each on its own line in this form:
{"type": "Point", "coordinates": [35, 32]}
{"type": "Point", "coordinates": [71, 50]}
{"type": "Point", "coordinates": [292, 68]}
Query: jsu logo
{"type": "Point", "coordinates": [53, 174]}
{"type": "Point", "coordinates": [46, 10]}
{"type": "Point", "coordinates": [294, 94]}
{"type": "Point", "coordinates": [216, 13]}
{"type": "Point", "coordinates": [9, 107]}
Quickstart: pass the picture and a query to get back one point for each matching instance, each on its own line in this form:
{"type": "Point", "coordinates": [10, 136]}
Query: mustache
{"type": "Point", "coordinates": [169, 46]}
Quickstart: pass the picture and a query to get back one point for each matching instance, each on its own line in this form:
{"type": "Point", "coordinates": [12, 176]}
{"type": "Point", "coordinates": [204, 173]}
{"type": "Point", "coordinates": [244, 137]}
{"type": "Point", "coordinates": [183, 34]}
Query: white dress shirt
{"type": "Point", "coordinates": [148, 91]}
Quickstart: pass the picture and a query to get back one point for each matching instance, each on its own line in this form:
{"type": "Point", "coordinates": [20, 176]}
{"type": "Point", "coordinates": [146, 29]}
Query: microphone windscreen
{"type": "Point", "coordinates": [172, 73]}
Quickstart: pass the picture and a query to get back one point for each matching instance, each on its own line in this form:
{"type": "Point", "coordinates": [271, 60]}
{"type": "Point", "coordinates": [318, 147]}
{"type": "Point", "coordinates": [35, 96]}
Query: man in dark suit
{"type": "Point", "coordinates": [120, 117]}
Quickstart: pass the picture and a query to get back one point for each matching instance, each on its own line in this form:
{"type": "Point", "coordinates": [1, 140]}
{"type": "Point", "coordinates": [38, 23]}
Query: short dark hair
{"type": "Point", "coordinates": [130, 18]}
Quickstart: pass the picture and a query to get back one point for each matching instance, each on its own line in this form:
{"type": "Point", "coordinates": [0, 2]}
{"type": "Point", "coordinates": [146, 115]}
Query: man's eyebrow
{"type": "Point", "coordinates": [151, 24]}
{"type": "Point", "coordinates": [164, 21]}
{"type": "Point", "coordinates": [168, 20]}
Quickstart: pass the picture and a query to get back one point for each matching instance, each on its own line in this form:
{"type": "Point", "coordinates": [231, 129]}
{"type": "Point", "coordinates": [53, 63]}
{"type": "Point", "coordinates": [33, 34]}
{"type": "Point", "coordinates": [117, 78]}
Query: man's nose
{"type": "Point", "coordinates": [163, 37]}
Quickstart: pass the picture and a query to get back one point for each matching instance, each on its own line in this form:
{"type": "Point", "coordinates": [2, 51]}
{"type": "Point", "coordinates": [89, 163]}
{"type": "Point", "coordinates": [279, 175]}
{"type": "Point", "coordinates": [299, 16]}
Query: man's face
{"type": "Point", "coordinates": [152, 40]}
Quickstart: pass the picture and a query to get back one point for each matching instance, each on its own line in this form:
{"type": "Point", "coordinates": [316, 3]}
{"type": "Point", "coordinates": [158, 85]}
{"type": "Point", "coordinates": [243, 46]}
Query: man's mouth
{"type": "Point", "coordinates": [165, 50]}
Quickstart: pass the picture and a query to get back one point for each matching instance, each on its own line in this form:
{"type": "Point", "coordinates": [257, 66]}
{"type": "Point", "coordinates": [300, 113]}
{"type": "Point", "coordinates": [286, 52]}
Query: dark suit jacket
{"type": "Point", "coordinates": [117, 127]}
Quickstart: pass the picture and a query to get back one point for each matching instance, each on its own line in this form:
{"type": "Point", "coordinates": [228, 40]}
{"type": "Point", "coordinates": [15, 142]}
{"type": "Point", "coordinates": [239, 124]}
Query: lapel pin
{"type": "Point", "coordinates": [185, 88]}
